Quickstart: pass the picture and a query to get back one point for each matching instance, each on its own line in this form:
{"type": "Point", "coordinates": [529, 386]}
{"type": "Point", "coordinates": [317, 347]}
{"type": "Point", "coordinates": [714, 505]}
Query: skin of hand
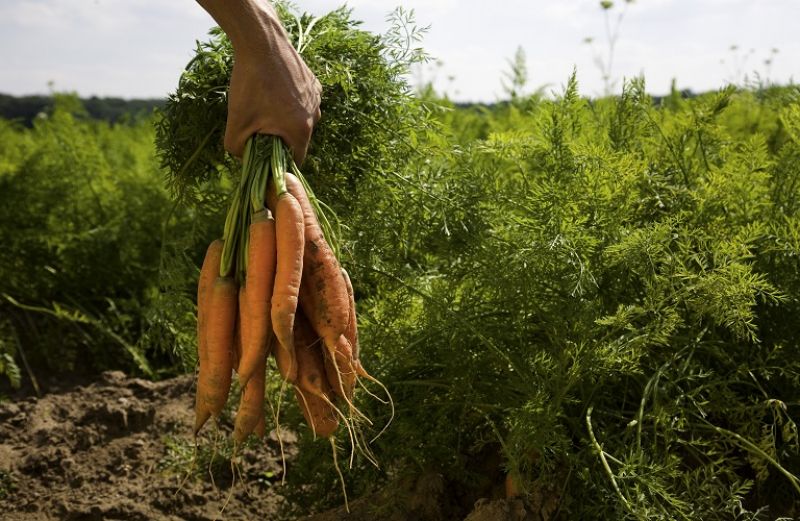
{"type": "Point", "coordinates": [272, 91]}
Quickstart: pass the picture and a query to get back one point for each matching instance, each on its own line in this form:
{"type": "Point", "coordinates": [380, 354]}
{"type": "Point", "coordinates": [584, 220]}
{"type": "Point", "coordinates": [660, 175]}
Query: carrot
{"type": "Point", "coordinates": [208, 273]}
{"type": "Point", "coordinates": [287, 367]}
{"type": "Point", "coordinates": [310, 369]}
{"type": "Point", "coordinates": [251, 407]}
{"type": "Point", "coordinates": [352, 322]}
{"type": "Point", "coordinates": [340, 367]}
{"type": "Point", "coordinates": [312, 389]}
{"type": "Point", "coordinates": [324, 295]}
{"type": "Point", "coordinates": [352, 329]}
{"type": "Point", "coordinates": [221, 321]}
{"type": "Point", "coordinates": [260, 280]}
{"type": "Point", "coordinates": [318, 413]}
{"type": "Point", "coordinates": [238, 334]}
{"type": "Point", "coordinates": [511, 486]}
{"type": "Point", "coordinates": [261, 427]}
{"type": "Point", "coordinates": [288, 273]}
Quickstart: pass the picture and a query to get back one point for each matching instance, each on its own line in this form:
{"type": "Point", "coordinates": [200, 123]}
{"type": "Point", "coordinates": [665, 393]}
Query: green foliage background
{"type": "Point", "coordinates": [598, 297]}
{"type": "Point", "coordinates": [89, 281]}
{"type": "Point", "coordinates": [606, 291]}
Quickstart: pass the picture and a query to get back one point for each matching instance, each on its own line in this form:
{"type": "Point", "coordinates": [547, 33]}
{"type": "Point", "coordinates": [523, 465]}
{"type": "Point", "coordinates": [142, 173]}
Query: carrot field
{"type": "Point", "coordinates": [570, 306]}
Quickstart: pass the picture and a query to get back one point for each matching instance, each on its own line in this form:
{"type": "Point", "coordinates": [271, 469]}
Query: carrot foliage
{"type": "Point", "coordinates": [604, 292]}
{"type": "Point", "coordinates": [368, 108]}
{"type": "Point", "coordinates": [599, 297]}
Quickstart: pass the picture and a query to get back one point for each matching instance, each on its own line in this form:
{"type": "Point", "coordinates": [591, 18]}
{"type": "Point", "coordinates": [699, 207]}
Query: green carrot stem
{"type": "Point", "coordinates": [260, 177]}
{"type": "Point", "coordinates": [229, 236]}
{"type": "Point", "coordinates": [327, 229]}
{"type": "Point", "coordinates": [279, 165]}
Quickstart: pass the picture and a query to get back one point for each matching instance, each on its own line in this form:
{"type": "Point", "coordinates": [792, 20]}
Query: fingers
{"type": "Point", "coordinates": [299, 144]}
{"type": "Point", "coordinates": [300, 157]}
{"type": "Point", "coordinates": [240, 126]}
{"type": "Point", "coordinates": [234, 144]}
{"type": "Point", "coordinates": [297, 137]}
{"type": "Point", "coordinates": [260, 104]}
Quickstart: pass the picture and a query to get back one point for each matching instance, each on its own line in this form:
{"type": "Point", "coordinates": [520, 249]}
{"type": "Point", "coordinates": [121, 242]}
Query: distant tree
{"type": "Point", "coordinates": [25, 108]}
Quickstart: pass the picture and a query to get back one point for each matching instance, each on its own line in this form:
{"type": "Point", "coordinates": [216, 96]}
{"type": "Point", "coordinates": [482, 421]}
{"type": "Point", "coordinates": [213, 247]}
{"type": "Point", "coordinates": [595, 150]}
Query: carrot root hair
{"type": "Point", "coordinates": [339, 471]}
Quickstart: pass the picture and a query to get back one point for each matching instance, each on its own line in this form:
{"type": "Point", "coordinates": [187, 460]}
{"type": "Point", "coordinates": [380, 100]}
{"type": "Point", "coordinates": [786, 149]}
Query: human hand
{"type": "Point", "coordinates": [272, 90]}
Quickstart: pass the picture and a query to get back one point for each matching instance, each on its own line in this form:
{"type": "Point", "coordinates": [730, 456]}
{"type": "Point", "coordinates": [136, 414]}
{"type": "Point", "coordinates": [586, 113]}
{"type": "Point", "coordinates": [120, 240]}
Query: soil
{"type": "Point", "coordinates": [119, 448]}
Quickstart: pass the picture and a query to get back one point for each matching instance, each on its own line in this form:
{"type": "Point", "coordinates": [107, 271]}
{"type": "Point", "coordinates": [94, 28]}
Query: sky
{"type": "Point", "coordinates": [137, 48]}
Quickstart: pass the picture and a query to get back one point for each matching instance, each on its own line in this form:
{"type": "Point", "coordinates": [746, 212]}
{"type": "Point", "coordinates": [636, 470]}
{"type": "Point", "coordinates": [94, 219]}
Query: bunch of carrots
{"type": "Point", "coordinates": [273, 285]}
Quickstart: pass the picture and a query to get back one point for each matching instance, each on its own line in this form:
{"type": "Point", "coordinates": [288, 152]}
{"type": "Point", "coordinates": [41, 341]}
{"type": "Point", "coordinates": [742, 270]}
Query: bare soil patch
{"type": "Point", "coordinates": [112, 450]}
{"type": "Point", "coordinates": [119, 448]}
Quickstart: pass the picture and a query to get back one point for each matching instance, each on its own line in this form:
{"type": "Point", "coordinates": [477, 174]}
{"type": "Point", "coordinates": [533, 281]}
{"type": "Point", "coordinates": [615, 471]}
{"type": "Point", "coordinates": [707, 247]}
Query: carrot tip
{"type": "Point", "coordinates": [201, 417]}
{"type": "Point", "coordinates": [360, 371]}
{"type": "Point", "coordinates": [239, 437]}
{"type": "Point", "coordinates": [288, 373]}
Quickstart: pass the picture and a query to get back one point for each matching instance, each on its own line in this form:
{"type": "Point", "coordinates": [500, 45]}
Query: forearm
{"type": "Point", "coordinates": [250, 24]}
{"type": "Point", "coordinates": [272, 90]}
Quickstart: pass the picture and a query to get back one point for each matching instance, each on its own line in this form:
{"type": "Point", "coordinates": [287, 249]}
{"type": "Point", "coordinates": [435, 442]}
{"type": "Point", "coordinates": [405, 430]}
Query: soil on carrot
{"type": "Point", "coordinates": [120, 448]}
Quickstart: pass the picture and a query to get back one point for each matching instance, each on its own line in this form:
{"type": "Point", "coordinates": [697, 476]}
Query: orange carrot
{"type": "Point", "coordinates": [339, 364]}
{"type": "Point", "coordinates": [307, 345]}
{"type": "Point", "coordinates": [261, 427]}
{"type": "Point", "coordinates": [512, 488]}
{"type": "Point", "coordinates": [312, 389]}
{"type": "Point", "coordinates": [352, 322]}
{"type": "Point", "coordinates": [220, 326]}
{"type": "Point", "coordinates": [340, 367]}
{"type": "Point", "coordinates": [324, 295]}
{"type": "Point", "coordinates": [251, 407]}
{"type": "Point", "coordinates": [208, 273]}
{"type": "Point", "coordinates": [260, 280]}
{"type": "Point", "coordinates": [239, 331]}
{"type": "Point", "coordinates": [288, 273]}
{"type": "Point", "coordinates": [318, 413]}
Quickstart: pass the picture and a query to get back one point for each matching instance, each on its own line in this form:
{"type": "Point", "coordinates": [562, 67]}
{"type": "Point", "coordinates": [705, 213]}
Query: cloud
{"type": "Point", "coordinates": [94, 15]}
